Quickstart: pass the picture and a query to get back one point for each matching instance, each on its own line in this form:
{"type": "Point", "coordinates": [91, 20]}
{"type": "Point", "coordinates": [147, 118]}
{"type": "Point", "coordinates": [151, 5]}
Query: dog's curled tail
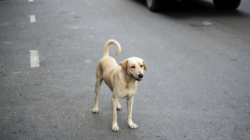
{"type": "Point", "coordinates": [106, 48]}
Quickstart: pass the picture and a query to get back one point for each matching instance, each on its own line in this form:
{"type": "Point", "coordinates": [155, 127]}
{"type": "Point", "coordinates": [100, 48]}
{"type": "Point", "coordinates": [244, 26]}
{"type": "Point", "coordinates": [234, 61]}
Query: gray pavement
{"type": "Point", "coordinates": [197, 83]}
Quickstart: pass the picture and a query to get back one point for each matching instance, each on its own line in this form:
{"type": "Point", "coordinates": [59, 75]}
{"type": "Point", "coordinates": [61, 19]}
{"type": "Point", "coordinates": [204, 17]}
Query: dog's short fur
{"type": "Point", "coordinates": [122, 81]}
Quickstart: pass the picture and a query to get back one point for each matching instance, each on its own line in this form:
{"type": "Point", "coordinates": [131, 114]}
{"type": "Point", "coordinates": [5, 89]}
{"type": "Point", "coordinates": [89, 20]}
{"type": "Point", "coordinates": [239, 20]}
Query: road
{"type": "Point", "coordinates": [196, 86]}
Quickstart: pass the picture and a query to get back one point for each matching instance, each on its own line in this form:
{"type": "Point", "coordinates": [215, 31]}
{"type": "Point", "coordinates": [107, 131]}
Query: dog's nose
{"type": "Point", "coordinates": [140, 75]}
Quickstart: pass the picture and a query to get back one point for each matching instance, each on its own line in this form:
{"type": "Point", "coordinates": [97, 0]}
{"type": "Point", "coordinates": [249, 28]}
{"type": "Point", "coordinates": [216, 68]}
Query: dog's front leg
{"type": "Point", "coordinates": [114, 104]}
{"type": "Point", "coordinates": [130, 102]}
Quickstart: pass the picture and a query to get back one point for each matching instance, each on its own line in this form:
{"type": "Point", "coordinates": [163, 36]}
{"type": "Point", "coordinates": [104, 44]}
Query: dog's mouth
{"type": "Point", "coordinates": [136, 78]}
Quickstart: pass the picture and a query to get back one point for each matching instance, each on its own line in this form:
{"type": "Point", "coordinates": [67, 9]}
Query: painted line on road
{"type": "Point", "coordinates": [207, 23]}
{"type": "Point", "coordinates": [32, 18]}
{"type": "Point", "coordinates": [34, 59]}
{"type": "Point", "coordinates": [31, 0]}
{"type": "Point", "coordinates": [88, 61]}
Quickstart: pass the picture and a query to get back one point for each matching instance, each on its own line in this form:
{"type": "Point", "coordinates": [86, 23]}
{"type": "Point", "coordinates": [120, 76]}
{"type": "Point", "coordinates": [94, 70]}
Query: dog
{"type": "Point", "coordinates": [122, 81]}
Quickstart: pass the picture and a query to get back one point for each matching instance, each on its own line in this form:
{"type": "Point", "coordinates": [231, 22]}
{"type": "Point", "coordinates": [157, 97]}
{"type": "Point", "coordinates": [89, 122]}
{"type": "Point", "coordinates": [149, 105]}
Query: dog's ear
{"type": "Point", "coordinates": [145, 68]}
{"type": "Point", "coordinates": [124, 64]}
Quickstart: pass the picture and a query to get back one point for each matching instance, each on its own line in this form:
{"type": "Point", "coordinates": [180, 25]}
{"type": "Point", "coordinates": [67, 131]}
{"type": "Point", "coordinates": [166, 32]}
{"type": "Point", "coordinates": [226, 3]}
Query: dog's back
{"type": "Point", "coordinates": [107, 64]}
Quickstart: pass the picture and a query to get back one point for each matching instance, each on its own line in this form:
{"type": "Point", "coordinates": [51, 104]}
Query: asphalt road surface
{"type": "Point", "coordinates": [196, 86]}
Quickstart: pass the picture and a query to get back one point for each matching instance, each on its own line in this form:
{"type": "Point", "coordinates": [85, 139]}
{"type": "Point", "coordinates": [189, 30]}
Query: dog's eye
{"type": "Point", "coordinates": [132, 66]}
{"type": "Point", "coordinates": [141, 65]}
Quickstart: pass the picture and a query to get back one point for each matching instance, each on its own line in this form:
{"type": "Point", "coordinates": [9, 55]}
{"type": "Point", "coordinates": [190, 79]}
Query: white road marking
{"type": "Point", "coordinates": [31, 0]}
{"type": "Point", "coordinates": [32, 18]}
{"type": "Point", "coordinates": [7, 42]}
{"type": "Point", "coordinates": [207, 23]}
{"type": "Point", "coordinates": [88, 61]}
{"type": "Point", "coordinates": [34, 58]}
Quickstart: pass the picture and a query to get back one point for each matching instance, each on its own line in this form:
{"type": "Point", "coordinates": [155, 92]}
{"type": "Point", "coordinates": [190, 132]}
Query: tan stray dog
{"type": "Point", "coordinates": [122, 81]}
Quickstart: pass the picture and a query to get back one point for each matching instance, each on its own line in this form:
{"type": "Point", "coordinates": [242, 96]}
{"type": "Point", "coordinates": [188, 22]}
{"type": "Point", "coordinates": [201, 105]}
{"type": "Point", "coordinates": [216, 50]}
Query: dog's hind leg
{"type": "Point", "coordinates": [98, 83]}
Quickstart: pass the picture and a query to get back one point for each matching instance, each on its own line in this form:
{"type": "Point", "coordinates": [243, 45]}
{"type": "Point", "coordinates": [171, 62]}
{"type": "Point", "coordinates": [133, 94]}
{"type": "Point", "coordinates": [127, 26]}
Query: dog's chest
{"type": "Point", "coordinates": [126, 92]}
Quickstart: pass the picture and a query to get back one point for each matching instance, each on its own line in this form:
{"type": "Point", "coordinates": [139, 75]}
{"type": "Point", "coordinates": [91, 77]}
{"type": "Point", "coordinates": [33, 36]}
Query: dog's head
{"type": "Point", "coordinates": [134, 66]}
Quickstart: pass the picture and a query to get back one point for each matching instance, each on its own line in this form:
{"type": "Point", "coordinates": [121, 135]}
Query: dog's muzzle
{"type": "Point", "coordinates": [140, 77]}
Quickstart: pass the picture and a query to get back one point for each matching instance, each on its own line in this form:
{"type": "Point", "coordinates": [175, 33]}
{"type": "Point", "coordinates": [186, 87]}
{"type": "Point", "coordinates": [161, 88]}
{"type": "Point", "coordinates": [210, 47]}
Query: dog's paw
{"type": "Point", "coordinates": [133, 126]}
{"type": "Point", "coordinates": [115, 128]}
{"type": "Point", "coordinates": [95, 110]}
{"type": "Point", "coordinates": [119, 107]}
